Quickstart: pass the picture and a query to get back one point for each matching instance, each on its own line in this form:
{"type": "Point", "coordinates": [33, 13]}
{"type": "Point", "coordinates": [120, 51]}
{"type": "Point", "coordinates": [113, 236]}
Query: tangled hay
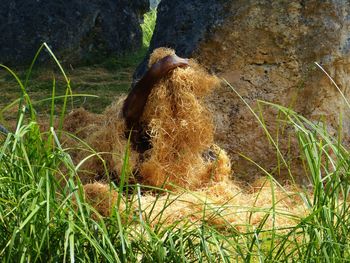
{"type": "Point", "coordinates": [181, 129]}
{"type": "Point", "coordinates": [102, 197]}
{"type": "Point", "coordinates": [82, 123]}
{"type": "Point", "coordinates": [226, 204]}
{"type": "Point", "coordinates": [222, 205]}
{"type": "Point", "coordinates": [182, 153]}
{"type": "Point", "coordinates": [105, 134]}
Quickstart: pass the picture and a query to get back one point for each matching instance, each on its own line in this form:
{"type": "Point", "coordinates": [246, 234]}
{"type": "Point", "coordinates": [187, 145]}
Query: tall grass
{"type": "Point", "coordinates": [323, 235]}
{"type": "Point", "coordinates": [148, 26]}
{"type": "Point", "coordinates": [44, 215]}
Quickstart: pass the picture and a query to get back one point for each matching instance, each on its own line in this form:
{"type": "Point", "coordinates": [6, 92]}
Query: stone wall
{"type": "Point", "coordinates": [266, 50]}
{"type": "Point", "coordinates": [153, 3]}
{"type": "Point", "coordinates": [76, 30]}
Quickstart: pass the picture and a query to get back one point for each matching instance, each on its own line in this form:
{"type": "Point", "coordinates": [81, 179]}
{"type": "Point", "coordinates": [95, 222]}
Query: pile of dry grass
{"type": "Point", "coordinates": [82, 122]}
{"type": "Point", "coordinates": [183, 153]}
{"type": "Point", "coordinates": [222, 205]}
{"type": "Point", "coordinates": [226, 204]}
{"type": "Point", "coordinates": [102, 198]}
{"type": "Point", "coordinates": [105, 134]}
{"type": "Point", "coordinates": [181, 129]}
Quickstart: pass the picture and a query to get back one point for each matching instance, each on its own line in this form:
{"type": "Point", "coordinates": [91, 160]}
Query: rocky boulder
{"type": "Point", "coordinates": [183, 25]}
{"type": "Point", "coordinates": [75, 30]}
{"type": "Point", "coordinates": [266, 50]}
{"type": "Point", "coordinates": [153, 3]}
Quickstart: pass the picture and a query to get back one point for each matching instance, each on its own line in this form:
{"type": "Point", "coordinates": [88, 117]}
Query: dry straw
{"type": "Point", "coordinates": [180, 129]}
{"type": "Point", "coordinates": [102, 197]}
{"type": "Point", "coordinates": [183, 153]}
{"type": "Point", "coordinates": [105, 133]}
{"type": "Point", "coordinates": [226, 204]}
{"type": "Point", "coordinates": [223, 205]}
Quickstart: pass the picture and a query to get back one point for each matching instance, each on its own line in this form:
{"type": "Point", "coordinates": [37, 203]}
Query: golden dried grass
{"type": "Point", "coordinates": [102, 198]}
{"type": "Point", "coordinates": [104, 133]}
{"type": "Point", "coordinates": [226, 204]}
{"type": "Point", "coordinates": [181, 129]}
{"type": "Point", "coordinates": [82, 122]}
{"type": "Point", "coordinates": [222, 205]}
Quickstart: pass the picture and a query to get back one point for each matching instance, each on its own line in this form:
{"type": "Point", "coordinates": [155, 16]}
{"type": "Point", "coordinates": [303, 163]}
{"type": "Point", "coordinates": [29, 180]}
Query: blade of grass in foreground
{"type": "Point", "coordinates": [44, 215]}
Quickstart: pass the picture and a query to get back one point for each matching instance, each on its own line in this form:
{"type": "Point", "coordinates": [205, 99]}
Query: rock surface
{"type": "Point", "coordinates": [153, 3]}
{"type": "Point", "coordinates": [75, 30]}
{"type": "Point", "coordinates": [182, 25]}
{"type": "Point", "coordinates": [266, 50]}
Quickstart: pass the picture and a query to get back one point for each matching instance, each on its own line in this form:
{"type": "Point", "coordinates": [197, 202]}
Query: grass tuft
{"type": "Point", "coordinates": [45, 215]}
{"type": "Point", "coordinates": [148, 26]}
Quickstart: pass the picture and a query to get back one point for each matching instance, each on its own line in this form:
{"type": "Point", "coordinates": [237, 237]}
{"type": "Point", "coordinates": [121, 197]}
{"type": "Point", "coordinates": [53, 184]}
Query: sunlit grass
{"type": "Point", "coordinates": [44, 215]}
{"type": "Point", "coordinates": [148, 26]}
